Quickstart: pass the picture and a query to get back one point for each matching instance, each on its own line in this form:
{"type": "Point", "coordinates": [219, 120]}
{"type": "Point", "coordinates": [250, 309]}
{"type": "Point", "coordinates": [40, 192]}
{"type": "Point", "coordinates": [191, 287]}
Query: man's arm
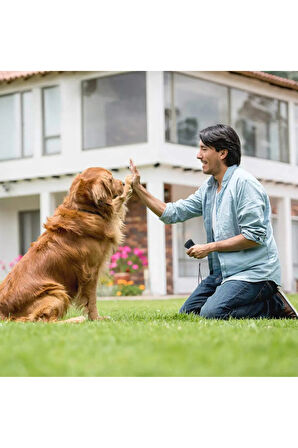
{"type": "Point", "coordinates": [233, 244]}
{"type": "Point", "coordinates": [155, 205]}
{"type": "Point", "coordinates": [171, 212]}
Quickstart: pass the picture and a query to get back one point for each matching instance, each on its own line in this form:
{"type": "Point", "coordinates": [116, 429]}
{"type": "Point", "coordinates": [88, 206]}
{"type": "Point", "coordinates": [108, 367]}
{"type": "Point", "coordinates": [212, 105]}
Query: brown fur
{"type": "Point", "coordinates": [63, 265]}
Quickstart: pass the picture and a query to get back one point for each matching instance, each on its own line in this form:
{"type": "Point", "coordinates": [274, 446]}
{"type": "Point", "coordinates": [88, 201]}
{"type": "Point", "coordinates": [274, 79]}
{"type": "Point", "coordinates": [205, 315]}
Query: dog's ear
{"type": "Point", "coordinates": [101, 192]}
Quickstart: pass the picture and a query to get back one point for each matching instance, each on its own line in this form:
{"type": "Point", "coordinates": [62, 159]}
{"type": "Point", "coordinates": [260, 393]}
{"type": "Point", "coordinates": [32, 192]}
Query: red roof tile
{"type": "Point", "coordinates": [12, 76]}
{"type": "Point", "coordinates": [272, 79]}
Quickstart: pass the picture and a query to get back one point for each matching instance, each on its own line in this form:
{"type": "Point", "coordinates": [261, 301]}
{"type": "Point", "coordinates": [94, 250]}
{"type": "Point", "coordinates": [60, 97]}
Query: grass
{"type": "Point", "coordinates": [150, 338]}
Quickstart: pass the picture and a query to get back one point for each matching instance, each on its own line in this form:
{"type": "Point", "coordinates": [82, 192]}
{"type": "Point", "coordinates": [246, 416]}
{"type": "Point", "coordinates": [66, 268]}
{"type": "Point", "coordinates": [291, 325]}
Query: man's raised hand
{"type": "Point", "coordinates": [135, 174]}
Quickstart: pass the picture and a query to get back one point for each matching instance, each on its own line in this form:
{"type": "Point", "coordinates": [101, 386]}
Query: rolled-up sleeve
{"type": "Point", "coordinates": [251, 207]}
{"type": "Point", "coordinates": [183, 209]}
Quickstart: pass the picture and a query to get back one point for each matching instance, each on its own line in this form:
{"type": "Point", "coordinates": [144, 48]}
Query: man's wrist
{"type": "Point", "coordinates": [137, 187]}
{"type": "Point", "coordinates": [212, 247]}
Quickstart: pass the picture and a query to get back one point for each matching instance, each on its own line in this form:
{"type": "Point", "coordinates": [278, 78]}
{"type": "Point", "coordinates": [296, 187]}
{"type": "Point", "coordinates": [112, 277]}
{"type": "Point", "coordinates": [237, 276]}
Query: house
{"type": "Point", "coordinates": [55, 124]}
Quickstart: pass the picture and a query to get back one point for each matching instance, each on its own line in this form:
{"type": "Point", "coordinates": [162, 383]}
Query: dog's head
{"type": "Point", "coordinates": [95, 187]}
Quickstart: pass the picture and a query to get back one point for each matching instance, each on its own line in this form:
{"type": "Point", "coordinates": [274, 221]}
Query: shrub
{"type": "Point", "coordinates": [127, 259]}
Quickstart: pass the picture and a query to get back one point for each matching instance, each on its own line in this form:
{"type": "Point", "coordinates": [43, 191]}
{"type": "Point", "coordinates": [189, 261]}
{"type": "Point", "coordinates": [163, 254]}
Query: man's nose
{"type": "Point", "coordinates": [199, 155]}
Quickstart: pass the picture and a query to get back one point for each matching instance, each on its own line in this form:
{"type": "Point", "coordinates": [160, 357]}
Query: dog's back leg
{"type": "Point", "coordinates": [49, 307]}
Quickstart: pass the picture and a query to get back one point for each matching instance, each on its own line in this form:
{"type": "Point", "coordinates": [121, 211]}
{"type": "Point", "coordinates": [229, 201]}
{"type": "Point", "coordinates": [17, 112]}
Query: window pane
{"type": "Point", "coordinates": [191, 229]}
{"type": "Point", "coordinates": [195, 104]}
{"type": "Point", "coordinates": [51, 111]}
{"type": "Point", "coordinates": [114, 110]}
{"type": "Point", "coordinates": [262, 124]}
{"type": "Point", "coordinates": [52, 145]}
{"type": "Point", "coordinates": [27, 120]}
{"type": "Point", "coordinates": [29, 223]}
{"type": "Point", "coordinates": [295, 244]}
{"type": "Point", "coordinates": [169, 128]}
{"type": "Point", "coordinates": [10, 147]}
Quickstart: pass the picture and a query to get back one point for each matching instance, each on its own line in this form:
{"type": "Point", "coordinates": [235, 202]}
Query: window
{"type": "Point", "coordinates": [29, 225]}
{"type": "Point", "coordinates": [191, 229]}
{"type": "Point", "coordinates": [190, 105]}
{"type": "Point", "coordinates": [16, 126]}
{"type": "Point", "coordinates": [296, 131]}
{"type": "Point", "coordinates": [51, 120]}
{"type": "Point", "coordinates": [262, 125]}
{"type": "Point", "coordinates": [294, 207]}
{"type": "Point", "coordinates": [114, 110]}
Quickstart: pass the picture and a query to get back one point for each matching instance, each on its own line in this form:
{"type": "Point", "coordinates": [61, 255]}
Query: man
{"type": "Point", "coordinates": [242, 254]}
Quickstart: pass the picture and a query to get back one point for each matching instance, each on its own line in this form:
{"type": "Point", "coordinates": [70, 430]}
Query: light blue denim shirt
{"type": "Point", "coordinates": [242, 207]}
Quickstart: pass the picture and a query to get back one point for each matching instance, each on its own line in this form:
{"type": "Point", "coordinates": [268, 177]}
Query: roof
{"type": "Point", "coordinates": [7, 77]}
{"type": "Point", "coordinates": [271, 79]}
{"type": "Point", "coordinates": [13, 76]}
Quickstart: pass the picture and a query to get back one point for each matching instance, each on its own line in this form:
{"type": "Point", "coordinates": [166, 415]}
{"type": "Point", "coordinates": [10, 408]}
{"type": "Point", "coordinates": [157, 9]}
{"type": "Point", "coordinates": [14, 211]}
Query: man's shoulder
{"type": "Point", "coordinates": [243, 176]}
{"type": "Point", "coordinates": [245, 181]}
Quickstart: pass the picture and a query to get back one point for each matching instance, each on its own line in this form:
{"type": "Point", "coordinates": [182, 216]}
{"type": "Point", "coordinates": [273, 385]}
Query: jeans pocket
{"type": "Point", "coordinates": [266, 292]}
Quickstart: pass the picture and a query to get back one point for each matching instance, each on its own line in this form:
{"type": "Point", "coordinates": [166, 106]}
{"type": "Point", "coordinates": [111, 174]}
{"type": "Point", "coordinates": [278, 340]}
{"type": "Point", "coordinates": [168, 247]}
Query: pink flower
{"type": "Point", "coordinates": [113, 265]}
{"type": "Point", "coordinates": [129, 262]}
{"type": "Point", "coordinates": [145, 262]}
{"type": "Point", "coordinates": [136, 251]}
{"type": "Point", "coordinates": [112, 272]}
{"type": "Point", "coordinates": [127, 249]}
{"type": "Point", "coordinates": [11, 265]}
{"type": "Point", "coordinates": [135, 266]}
{"type": "Point", "coordinates": [124, 255]}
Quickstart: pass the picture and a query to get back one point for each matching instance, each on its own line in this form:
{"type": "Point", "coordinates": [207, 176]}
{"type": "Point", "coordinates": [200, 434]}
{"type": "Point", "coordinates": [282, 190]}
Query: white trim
{"type": "Point", "coordinates": [46, 206]}
{"type": "Point", "coordinates": [156, 243]}
{"type": "Point", "coordinates": [284, 237]}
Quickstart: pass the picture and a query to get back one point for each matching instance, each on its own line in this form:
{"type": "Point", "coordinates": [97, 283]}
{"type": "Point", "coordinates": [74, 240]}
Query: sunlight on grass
{"type": "Point", "coordinates": [150, 338]}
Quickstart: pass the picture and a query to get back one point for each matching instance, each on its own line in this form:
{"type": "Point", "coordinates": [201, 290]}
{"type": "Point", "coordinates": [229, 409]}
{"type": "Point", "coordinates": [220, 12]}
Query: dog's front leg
{"type": "Point", "coordinates": [126, 195]}
{"type": "Point", "coordinates": [89, 297]}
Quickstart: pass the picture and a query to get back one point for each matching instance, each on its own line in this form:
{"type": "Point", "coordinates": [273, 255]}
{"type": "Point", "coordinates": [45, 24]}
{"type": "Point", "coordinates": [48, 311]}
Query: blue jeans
{"type": "Point", "coordinates": [234, 298]}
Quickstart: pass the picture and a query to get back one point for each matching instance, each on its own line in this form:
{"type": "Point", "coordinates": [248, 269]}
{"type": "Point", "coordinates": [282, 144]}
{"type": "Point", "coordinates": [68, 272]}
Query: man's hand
{"type": "Point", "coordinates": [199, 250]}
{"type": "Point", "coordinates": [136, 178]}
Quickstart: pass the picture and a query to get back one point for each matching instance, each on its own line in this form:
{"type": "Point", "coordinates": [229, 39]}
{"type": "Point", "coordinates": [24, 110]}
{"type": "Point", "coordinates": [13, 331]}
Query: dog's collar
{"type": "Point", "coordinates": [90, 211]}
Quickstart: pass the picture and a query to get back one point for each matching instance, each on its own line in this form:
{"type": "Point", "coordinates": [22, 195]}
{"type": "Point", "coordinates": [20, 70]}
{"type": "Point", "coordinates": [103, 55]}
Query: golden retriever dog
{"type": "Point", "coordinates": [63, 265]}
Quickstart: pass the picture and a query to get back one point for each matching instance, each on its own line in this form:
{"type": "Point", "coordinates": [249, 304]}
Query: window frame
{"type": "Point", "coordinates": [44, 138]}
{"type": "Point", "coordinates": [20, 212]}
{"type": "Point", "coordinates": [20, 126]}
{"type": "Point", "coordinates": [104, 76]}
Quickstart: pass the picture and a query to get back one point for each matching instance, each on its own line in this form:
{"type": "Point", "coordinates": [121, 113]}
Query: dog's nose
{"type": "Point", "coordinates": [123, 183]}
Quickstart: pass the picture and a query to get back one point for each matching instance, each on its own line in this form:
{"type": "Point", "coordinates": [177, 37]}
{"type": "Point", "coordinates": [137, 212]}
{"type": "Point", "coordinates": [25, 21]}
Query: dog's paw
{"type": "Point", "coordinates": [128, 180]}
{"type": "Point", "coordinates": [104, 318]}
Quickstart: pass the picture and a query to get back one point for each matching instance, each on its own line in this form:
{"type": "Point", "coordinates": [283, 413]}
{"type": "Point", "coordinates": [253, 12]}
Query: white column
{"type": "Point", "coordinates": [284, 226]}
{"type": "Point", "coordinates": [156, 244]}
{"type": "Point", "coordinates": [46, 206]}
{"type": "Point", "coordinates": [155, 113]}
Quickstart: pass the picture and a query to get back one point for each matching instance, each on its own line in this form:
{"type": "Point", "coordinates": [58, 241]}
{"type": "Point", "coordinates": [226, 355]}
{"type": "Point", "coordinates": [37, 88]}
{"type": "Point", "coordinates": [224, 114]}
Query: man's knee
{"type": "Point", "coordinates": [188, 309]}
{"type": "Point", "coordinates": [212, 312]}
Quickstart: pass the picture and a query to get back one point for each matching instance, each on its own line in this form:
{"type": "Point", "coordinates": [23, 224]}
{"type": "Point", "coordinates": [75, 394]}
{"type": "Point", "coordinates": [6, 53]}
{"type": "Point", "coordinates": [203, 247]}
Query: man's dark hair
{"type": "Point", "coordinates": [221, 137]}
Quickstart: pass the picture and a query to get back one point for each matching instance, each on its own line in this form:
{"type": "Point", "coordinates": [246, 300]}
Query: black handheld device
{"type": "Point", "coordinates": [189, 244]}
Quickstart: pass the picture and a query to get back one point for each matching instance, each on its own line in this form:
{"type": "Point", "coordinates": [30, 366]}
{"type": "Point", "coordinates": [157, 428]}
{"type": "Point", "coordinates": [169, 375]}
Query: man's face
{"type": "Point", "coordinates": [212, 160]}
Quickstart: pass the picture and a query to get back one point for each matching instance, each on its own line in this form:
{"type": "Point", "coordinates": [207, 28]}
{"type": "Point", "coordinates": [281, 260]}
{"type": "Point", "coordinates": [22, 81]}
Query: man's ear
{"type": "Point", "coordinates": [224, 153]}
{"type": "Point", "coordinates": [101, 192]}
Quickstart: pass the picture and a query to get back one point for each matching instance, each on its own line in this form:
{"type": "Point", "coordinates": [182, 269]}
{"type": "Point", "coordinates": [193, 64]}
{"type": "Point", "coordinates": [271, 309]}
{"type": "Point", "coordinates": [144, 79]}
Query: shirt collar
{"type": "Point", "coordinates": [227, 176]}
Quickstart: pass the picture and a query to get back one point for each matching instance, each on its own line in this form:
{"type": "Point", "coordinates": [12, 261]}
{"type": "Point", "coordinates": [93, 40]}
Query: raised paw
{"type": "Point", "coordinates": [128, 179]}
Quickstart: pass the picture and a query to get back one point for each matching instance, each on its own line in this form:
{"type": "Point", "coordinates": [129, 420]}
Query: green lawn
{"type": "Point", "coordinates": [150, 338]}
